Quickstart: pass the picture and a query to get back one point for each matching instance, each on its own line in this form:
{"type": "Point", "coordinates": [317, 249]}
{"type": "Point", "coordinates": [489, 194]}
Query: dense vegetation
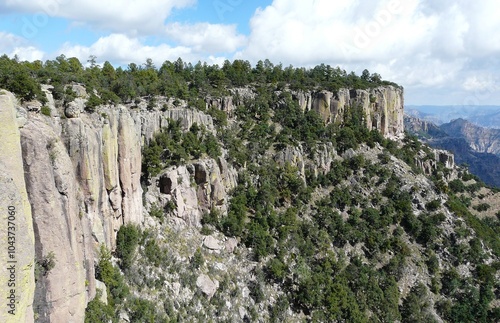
{"type": "Point", "coordinates": [172, 79]}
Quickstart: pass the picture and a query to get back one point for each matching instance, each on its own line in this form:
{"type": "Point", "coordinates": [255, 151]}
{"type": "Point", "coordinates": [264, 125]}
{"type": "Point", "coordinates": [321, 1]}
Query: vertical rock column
{"type": "Point", "coordinates": [129, 162]}
{"type": "Point", "coordinates": [52, 187]}
{"type": "Point", "coordinates": [16, 278]}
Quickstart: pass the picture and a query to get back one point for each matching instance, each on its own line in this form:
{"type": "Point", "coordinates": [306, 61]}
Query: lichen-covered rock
{"type": "Point", "coordinates": [293, 156]}
{"type": "Point", "coordinates": [129, 164]}
{"type": "Point", "coordinates": [79, 90]}
{"type": "Point", "coordinates": [14, 199]}
{"type": "Point", "coordinates": [445, 157]}
{"type": "Point", "coordinates": [52, 190]}
{"type": "Point", "coordinates": [104, 292]}
{"type": "Point", "coordinates": [74, 108]}
{"type": "Point", "coordinates": [224, 103]}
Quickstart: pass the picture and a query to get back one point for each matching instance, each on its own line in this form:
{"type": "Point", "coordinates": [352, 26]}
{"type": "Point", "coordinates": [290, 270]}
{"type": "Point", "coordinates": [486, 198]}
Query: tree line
{"type": "Point", "coordinates": [107, 84]}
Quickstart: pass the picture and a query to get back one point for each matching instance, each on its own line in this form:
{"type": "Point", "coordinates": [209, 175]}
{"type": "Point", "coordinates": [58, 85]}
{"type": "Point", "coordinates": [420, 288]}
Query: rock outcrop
{"type": "Point", "coordinates": [382, 106]}
{"type": "Point", "coordinates": [319, 163]}
{"type": "Point", "coordinates": [428, 165]}
{"type": "Point", "coordinates": [422, 128]}
{"type": "Point", "coordinates": [194, 189]}
{"type": "Point", "coordinates": [18, 240]}
{"type": "Point", "coordinates": [59, 232]}
{"type": "Point", "coordinates": [207, 285]}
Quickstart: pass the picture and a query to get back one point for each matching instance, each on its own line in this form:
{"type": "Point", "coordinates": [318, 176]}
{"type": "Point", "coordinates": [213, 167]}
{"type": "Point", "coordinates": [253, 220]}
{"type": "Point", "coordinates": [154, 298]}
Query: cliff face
{"type": "Point", "coordinates": [383, 107]}
{"type": "Point", "coordinates": [83, 182]}
{"type": "Point", "coordinates": [82, 178]}
{"type": "Point", "coordinates": [18, 285]}
{"type": "Point", "coordinates": [81, 174]}
{"type": "Point", "coordinates": [422, 128]}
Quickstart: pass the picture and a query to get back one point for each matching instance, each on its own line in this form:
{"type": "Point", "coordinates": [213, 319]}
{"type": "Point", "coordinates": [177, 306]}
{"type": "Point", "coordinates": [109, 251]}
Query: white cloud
{"type": "Point", "coordinates": [121, 49]}
{"type": "Point", "coordinates": [205, 37]}
{"type": "Point", "coordinates": [480, 83]}
{"type": "Point", "coordinates": [421, 44]}
{"type": "Point", "coordinates": [332, 31]}
{"type": "Point", "coordinates": [126, 16]}
{"type": "Point", "coordinates": [14, 45]}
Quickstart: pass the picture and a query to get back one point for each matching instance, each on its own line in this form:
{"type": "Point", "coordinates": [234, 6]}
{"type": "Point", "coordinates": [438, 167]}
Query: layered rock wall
{"type": "Point", "coordinates": [382, 106]}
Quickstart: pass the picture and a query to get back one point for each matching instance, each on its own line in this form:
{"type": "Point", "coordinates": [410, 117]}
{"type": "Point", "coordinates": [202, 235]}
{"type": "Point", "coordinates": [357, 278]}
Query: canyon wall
{"type": "Point", "coordinates": [75, 178]}
{"type": "Point", "coordinates": [17, 238]}
{"type": "Point", "coordinates": [383, 107]}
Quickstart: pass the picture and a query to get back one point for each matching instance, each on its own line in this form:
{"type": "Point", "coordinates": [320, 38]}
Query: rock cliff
{"type": "Point", "coordinates": [382, 106]}
{"type": "Point", "coordinates": [470, 144]}
{"type": "Point", "coordinates": [82, 176]}
{"type": "Point", "coordinates": [18, 285]}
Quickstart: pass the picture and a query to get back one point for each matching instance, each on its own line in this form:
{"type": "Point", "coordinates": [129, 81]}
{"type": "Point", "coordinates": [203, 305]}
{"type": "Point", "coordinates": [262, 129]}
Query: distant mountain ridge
{"type": "Point", "coordinates": [479, 139]}
{"type": "Point", "coordinates": [472, 145]}
{"type": "Point", "coordinates": [484, 116]}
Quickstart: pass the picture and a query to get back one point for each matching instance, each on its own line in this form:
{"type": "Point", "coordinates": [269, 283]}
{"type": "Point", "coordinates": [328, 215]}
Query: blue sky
{"type": "Point", "coordinates": [442, 52]}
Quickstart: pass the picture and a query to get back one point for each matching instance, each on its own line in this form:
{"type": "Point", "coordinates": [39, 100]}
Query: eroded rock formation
{"type": "Point", "coordinates": [383, 106]}
{"type": "Point", "coordinates": [82, 177]}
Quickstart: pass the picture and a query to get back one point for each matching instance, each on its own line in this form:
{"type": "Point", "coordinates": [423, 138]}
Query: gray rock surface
{"type": "Point", "coordinates": [207, 285]}
{"type": "Point", "coordinates": [212, 243]}
{"type": "Point", "coordinates": [60, 294]}
{"type": "Point", "coordinates": [383, 107]}
{"type": "Point", "coordinates": [14, 198]}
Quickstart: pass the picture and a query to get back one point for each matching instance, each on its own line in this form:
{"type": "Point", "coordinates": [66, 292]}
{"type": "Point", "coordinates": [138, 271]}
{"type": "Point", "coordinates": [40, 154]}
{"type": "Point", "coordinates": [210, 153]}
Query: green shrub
{"type": "Point", "coordinates": [142, 310]}
{"type": "Point", "coordinates": [45, 111]}
{"type": "Point", "coordinates": [416, 307]}
{"type": "Point", "coordinates": [97, 311]}
{"type": "Point", "coordinates": [433, 205]}
{"type": "Point", "coordinates": [111, 276]}
{"type": "Point", "coordinates": [45, 265]}
{"type": "Point", "coordinates": [92, 103]}
{"type": "Point", "coordinates": [126, 242]}
{"type": "Point", "coordinates": [197, 260]}
{"type": "Point", "coordinates": [153, 253]}
{"type": "Point", "coordinates": [156, 212]}
{"type": "Point", "coordinates": [481, 207]}
{"type": "Point", "coordinates": [456, 186]}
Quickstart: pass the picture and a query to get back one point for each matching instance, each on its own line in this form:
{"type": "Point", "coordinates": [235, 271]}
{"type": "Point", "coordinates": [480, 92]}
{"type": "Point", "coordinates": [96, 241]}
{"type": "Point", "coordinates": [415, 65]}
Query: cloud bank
{"type": "Point", "coordinates": [438, 50]}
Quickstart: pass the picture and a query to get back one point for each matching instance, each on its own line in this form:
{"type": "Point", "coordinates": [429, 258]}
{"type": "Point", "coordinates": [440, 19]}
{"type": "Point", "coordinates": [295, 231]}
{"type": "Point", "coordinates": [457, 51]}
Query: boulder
{"type": "Point", "coordinates": [231, 244]}
{"type": "Point", "coordinates": [72, 110]}
{"type": "Point", "coordinates": [79, 90]}
{"type": "Point", "coordinates": [104, 292]}
{"type": "Point", "coordinates": [212, 243]}
{"type": "Point", "coordinates": [207, 285]}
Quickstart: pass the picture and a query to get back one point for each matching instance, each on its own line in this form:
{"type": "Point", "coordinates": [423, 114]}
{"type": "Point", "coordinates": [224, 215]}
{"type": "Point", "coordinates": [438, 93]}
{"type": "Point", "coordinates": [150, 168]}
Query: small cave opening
{"type": "Point", "coordinates": [165, 185]}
